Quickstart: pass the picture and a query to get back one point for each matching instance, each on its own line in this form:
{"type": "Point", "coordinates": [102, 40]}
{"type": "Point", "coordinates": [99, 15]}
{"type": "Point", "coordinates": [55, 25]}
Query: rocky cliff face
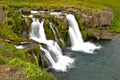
{"type": "Point", "coordinates": [92, 24]}
{"type": "Point", "coordinates": [100, 21]}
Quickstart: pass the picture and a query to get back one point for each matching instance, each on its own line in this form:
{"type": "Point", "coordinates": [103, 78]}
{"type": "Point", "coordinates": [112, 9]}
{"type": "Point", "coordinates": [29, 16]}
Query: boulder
{"type": "Point", "coordinates": [97, 19]}
{"type": "Point", "coordinates": [106, 18]}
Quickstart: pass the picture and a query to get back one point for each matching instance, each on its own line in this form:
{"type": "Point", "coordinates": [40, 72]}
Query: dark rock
{"type": "Point", "coordinates": [2, 15]}
{"type": "Point", "coordinates": [38, 8]}
{"type": "Point", "coordinates": [28, 45]}
{"type": "Point", "coordinates": [26, 22]}
{"type": "Point", "coordinates": [46, 9]}
{"type": "Point", "coordinates": [25, 11]}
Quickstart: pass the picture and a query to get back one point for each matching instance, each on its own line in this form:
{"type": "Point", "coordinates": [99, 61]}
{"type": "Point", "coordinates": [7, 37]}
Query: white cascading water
{"type": "Point", "coordinates": [47, 54]}
{"type": "Point", "coordinates": [36, 30]}
{"type": "Point", "coordinates": [51, 26]}
{"type": "Point", "coordinates": [77, 43]}
{"type": "Point", "coordinates": [37, 33]}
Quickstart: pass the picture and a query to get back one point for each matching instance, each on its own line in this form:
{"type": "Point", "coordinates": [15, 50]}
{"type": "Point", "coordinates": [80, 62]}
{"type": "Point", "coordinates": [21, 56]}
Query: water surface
{"type": "Point", "coordinates": [103, 65]}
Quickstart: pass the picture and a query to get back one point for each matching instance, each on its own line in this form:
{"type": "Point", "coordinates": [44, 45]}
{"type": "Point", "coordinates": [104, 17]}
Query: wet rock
{"type": "Point", "coordinates": [26, 22]}
{"type": "Point", "coordinates": [29, 45]}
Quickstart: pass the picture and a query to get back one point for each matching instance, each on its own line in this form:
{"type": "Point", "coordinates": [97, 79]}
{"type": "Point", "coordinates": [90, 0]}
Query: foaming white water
{"type": "Point", "coordinates": [76, 38]}
{"type": "Point", "coordinates": [36, 30]}
{"type": "Point", "coordinates": [34, 12]}
{"type": "Point", "coordinates": [56, 13]}
{"type": "Point", "coordinates": [19, 47]}
{"type": "Point", "coordinates": [47, 54]}
{"type": "Point", "coordinates": [37, 33]}
{"type": "Point", "coordinates": [63, 62]}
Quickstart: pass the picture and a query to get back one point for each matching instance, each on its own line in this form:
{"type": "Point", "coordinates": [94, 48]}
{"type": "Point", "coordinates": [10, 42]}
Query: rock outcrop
{"type": "Point", "coordinates": [101, 20]}
{"type": "Point", "coordinates": [97, 19]}
{"type": "Point", "coordinates": [102, 35]}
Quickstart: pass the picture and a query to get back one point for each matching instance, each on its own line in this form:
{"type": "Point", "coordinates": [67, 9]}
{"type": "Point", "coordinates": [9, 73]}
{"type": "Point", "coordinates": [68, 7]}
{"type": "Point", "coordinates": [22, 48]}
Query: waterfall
{"type": "Point", "coordinates": [36, 30]}
{"type": "Point", "coordinates": [60, 62]}
{"type": "Point", "coordinates": [77, 43]}
{"type": "Point", "coordinates": [47, 54]}
{"type": "Point", "coordinates": [51, 26]}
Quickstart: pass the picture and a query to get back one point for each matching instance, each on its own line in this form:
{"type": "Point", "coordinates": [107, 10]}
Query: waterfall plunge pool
{"type": "Point", "coordinates": [104, 65]}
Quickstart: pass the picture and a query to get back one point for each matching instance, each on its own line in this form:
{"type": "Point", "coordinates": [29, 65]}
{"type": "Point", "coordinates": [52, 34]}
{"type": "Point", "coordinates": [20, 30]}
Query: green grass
{"type": "Point", "coordinates": [8, 51]}
{"type": "Point", "coordinates": [94, 5]}
{"type": "Point", "coordinates": [32, 71]}
{"type": "Point", "coordinates": [9, 34]}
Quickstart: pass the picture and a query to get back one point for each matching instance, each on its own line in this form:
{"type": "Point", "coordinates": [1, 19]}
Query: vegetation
{"type": "Point", "coordinates": [94, 5]}
{"type": "Point", "coordinates": [32, 71]}
{"type": "Point", "coordinates": [8, 52]}
{"type": "Point", "coordinates": [12, 28]}
{"type": "Point", "coordinates": [114, 5]}
{"type": "Point", "coordinates": [20, 58]}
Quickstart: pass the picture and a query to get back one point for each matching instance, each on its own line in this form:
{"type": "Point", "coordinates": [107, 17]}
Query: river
{"type": "Point", "coordinates": [103, 65]}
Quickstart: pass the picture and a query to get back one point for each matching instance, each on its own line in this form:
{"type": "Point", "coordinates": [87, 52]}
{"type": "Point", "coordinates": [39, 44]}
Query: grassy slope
{"type": "Point", "coordinates": [95, 5]}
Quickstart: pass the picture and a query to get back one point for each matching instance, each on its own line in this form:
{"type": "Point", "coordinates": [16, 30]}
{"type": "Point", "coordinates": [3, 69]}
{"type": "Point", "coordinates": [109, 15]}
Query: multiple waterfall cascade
{"type": "Point", "coordinates": [76, 38]}
{"type": "Point", "coordinates": [53, 52]}
{"type": "Point", "coordinates": [60, 62]}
